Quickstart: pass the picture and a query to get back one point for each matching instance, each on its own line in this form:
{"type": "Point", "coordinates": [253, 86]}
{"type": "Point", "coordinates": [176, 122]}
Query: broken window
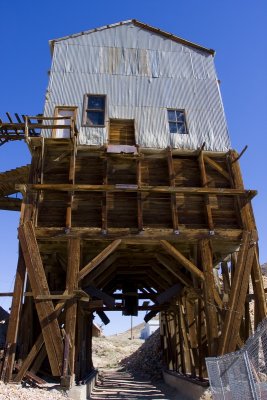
{"type": "Point", "coordinates": [177, 121]}
{"type": "Point", "coordinates": [94, 110]}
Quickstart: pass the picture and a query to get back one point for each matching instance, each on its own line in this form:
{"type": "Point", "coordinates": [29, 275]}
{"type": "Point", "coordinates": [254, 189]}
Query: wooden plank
{"type": "Point", "coordinates": [258, 287]}
{"type": "Point", "coordinates": [39, 285]}
{"type": "Point", "coordinates": [98, 259]}
{"type": "Point", "coordinates": [174, 269]}
{"type": "Point", "coordinates": [182, 259]}
{"type": "Point", "coordinates": [14, 318]}
{"type": "Point", "coordinates": [74, 254]}
{"type": "Point", "coordinates": [37, 347]}
{"type": "Point", "coordinates": [173, 195]}
{"type": "Point", "coordinates": [204, 182]}
{"type": "Point", "coordinates": [104, 211]}
{"type": "Point", "coordinates": [65, 187]}
{"type": "Point", "coordinates": [234, 313]}
{"type": "Point", "coordinates": [216, 166]}
{"type": "Point", "coordinates": [209, 301]}
{"type": "Point", "coordinates": [139, 196]}
{"type": "Point", "coordinates": [30, 358]}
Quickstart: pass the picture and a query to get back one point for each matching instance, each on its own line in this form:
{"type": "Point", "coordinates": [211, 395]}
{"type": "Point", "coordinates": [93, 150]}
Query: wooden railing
{"type": "Point", "coordinates": [10, 131]}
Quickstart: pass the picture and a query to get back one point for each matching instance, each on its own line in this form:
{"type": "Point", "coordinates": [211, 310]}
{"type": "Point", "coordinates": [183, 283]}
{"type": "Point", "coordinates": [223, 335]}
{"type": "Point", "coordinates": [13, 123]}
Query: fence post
{"type": "Point", "coordinates": [250, 377]}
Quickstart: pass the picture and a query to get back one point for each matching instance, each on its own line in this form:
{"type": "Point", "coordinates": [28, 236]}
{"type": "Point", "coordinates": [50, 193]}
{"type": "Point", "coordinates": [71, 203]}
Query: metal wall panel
{"type": "Point", "coordinates": [142, 75]}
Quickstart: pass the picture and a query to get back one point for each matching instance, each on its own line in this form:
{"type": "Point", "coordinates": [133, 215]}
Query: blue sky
{"type": "Point", "coordinates": [237, 30]}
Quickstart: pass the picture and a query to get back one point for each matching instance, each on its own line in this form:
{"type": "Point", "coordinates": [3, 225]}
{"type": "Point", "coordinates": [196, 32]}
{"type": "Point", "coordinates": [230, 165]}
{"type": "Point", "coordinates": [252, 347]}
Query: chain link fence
{"type": "Point", "coordinates": [241, 375]}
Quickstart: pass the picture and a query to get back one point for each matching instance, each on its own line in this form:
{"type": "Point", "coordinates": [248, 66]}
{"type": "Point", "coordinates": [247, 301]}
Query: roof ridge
{"type": "Point", "coordinates": [141, 25]}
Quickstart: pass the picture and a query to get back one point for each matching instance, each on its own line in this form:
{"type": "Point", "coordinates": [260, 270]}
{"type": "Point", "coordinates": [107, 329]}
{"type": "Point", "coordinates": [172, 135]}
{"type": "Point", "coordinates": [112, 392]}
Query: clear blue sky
{"type": "Point", "coordinates": [237, 30]}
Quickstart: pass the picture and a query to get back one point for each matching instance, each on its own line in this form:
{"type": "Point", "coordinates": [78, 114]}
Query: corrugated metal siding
{"type": "Point", "coordinates": [142, 75]}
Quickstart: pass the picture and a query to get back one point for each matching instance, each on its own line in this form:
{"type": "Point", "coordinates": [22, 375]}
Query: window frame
{"type": "Point", "coordinates": [86, 110]}
{"type": "Point", "coordinates": [176, 121]}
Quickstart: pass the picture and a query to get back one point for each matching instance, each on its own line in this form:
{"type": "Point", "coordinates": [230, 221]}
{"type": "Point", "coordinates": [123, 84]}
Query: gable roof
{"type": "Point", "coordinates": [140, 25]}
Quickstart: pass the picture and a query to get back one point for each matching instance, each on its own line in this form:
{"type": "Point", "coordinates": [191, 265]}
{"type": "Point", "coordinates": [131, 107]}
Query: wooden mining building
{"type": "Point", "coordinates": [133, 201]}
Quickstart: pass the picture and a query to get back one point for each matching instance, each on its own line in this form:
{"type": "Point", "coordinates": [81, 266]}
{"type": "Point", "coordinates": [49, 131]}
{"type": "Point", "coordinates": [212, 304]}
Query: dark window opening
{"type": "Point", "coordinates": [177, 121]}
{"type": "Point", "coordinates": [94, 110]}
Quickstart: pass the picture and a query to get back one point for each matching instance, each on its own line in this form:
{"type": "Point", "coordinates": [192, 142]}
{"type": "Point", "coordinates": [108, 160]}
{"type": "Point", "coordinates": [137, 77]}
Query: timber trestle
{"type": "Point", "coordinates": [104, 231]}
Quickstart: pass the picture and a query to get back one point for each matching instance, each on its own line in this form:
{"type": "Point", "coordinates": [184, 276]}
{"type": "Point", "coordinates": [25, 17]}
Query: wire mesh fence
{"type": "Point", "coordinates": [241, 375]}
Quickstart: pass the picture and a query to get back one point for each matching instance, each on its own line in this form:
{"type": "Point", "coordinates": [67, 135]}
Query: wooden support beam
{"type": "Point", "coordinates": [209, 298]}
{"type": "Point", "coordinates": [65, 187]}
{"type": "Point", "coordinates": [258, 288]}
{"type": "Point", "coordinates": [74, 255]}
{"type": "Point", "coordinates": [14, 318]}
{"type": "Point", "coordinates": [139, 196]}
{"type": "Point", "coordinates": [98, 259]}
{"type": "Point", "coordinates": [216, 166]}
{"type": "Point", "coordinates": [204, 182]}
{"type": "Point", "coordinates": [234, 313]}
{"type": "Point", "coordinates": [182, 259]}
{"type": "Point", "coordinates": [39, 285]}
{"type": "Point", "coordinates": [128, 237]}
{"type": "Point", "coordinates": [171, 266]}
{"type": "Point", "coordinates": [100, 270]}
{"type": "Point", "coordinates": [37, 347]}
{"type": "Point", "coordinates": [173, 195]}
{"type": "Point", "coordinates": [104, 212]}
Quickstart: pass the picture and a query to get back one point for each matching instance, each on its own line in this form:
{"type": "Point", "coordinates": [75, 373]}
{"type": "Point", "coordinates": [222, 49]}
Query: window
{"type": "Point", "coordinates": [94, 110]}
{"type": "Point", "coordinates": [177, 122]}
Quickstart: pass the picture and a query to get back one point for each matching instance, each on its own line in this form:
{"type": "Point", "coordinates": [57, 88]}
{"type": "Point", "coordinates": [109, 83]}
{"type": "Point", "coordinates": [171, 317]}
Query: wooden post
{"type": "Point", "coordinates": [234, 313]}
{"type": "Point", "coordinates": [71, 307]}
{"type": "Point", "coordinates": [173, 195]}
{"type": "Point", "coordinates": [204, 181]}
{"type": "Point", "coordinates": [39, 285]}
{"type": "Point", "coordinates": [14, 319]}
{"type": "Point", "coordinates": [209, 290]}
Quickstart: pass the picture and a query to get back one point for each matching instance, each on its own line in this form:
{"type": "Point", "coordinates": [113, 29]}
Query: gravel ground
{"type": "Point", "coordinates": [17, 392]}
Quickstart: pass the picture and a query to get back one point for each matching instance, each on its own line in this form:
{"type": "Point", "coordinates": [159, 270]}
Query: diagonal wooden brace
{"type": "Point", "coordinates": [50, 327]}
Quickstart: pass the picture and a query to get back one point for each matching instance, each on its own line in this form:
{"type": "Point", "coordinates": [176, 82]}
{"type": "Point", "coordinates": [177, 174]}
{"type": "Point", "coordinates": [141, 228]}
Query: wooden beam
{"type": "Point", "coordinates": [173, 195]}
{"type": "Point", "coordinates": [217, 167]}
{"type": "Point", "coordinates": [182, 259]}
{"type": "Point", "coordinates": [37, 346]}
{"type": "Point", "coordinates": [174, 269]}
{"type": "Point", "coordinates": [209, 300]}
{"type": "Point", "coordinates": [258, 288]}
{"type": "Point", "coordinates": [128, 237]}
{"type": "Point", "coordinates": [74, 255]}
{"type": "Point", "coordinates": [65, 187]}
{"type": "Point", "coordinates": [98, 259]}
{"type": "Point", "coordinates": [139, 196]}
{"type": "Point", "coordinates": [14, 318]}
{"type": "Point", "coordinates": [235, 308]}
{"type": "Point", "coordinates": [204, 182]}
{"type": "Point", "coordinates": [39, 285]}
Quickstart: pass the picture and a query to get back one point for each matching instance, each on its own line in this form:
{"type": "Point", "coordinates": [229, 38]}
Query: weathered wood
{"type": "Point", "coordinates": [71, 307]}
{"type": "Point", "coordinates": [258, 287]}
{"type": "Point", "coordinates": [173, 196]}
{"type": "Point", "coordinates": [14, 318]}
{"type": "Point", "coordinates": [98, 259]}
{"type": "Point", "coordinates": [30, 358]}
{"type": "Point", "coordinates": [209, 301]}
{"type": "Point", "coordinates": [232, 321]}
{"type": "Point", "coordinates": [34, 265]}
{"type": "Point", "coordinates": [65, 187]}
{"type": "Point", "coordinates": [174, 269]}
{"type": "Point", "coordinates": [37, 347]}
{"type": "Point", "coordinates": [216, 166]}
{"type": "Point", "coordinates": [204, 182]}
{"type": "Point", "coordinates": [182, 259]}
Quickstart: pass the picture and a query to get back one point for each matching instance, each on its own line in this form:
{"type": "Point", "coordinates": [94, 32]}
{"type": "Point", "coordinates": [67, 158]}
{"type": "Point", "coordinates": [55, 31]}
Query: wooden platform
{"type": "Point", "coordinates": [104, 231]}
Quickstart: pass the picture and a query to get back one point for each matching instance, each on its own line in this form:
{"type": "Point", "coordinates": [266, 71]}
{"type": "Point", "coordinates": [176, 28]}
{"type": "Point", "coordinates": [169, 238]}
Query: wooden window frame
{"type": "Point", "coordinates": [177, 122]}
{"type": "Point", "coordinates": [85, 110]}
{"type": "Point", "coordinates": [58, 107]}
